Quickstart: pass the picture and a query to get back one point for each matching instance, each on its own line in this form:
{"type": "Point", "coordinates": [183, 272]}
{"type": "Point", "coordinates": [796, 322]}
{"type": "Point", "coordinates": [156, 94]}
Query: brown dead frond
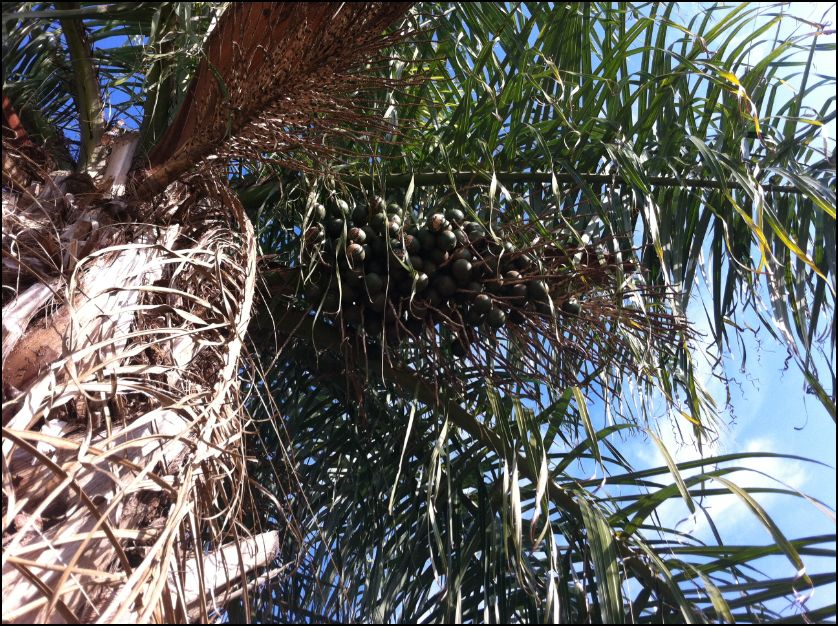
{"type": "Point", "coordinates": [279, 79]}
{"type": "Point", "coordinates": [123, 421]}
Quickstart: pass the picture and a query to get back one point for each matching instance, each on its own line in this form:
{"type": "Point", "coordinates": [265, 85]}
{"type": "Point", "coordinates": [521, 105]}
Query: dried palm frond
{"type": "Point", "coordinates": [122, 416]}
{"type": "Point", "coordinates": [278, 78]}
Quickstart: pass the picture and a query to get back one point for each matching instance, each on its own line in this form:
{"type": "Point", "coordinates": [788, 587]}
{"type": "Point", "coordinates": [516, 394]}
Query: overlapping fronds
{"type": "Point", "coordinates": [122, 415]}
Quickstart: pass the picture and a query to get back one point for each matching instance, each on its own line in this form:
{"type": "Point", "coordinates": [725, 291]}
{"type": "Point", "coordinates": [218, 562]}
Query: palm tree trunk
{"type": "Point", "coordinates": [120, 408]}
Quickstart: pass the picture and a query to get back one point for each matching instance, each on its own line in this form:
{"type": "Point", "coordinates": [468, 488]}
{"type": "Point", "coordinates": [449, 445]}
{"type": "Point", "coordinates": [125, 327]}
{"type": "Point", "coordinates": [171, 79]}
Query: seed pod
{"type": "Point", "coordinates": [357, 235]}
{"type": "Point", "coordinates": [518, 291]}
{"type": "Point", "coordinates": [356, 255]}
{"type": "Point", "coordinates": [412, 245]}
{"type": "Point", "coordinates": [446, 240]}
{"type": "Point", "coordinates": [496, 318]}
{"type": "Point", "coordinates": [455, 215]}
{"type": "Point", "coordinates": [377, 204]}
{"type": "Point", "coordinates": [572, 308]}
{"type": "Point", "coordinates": [538, 290]}
{"type": "Point", "coordinates": [437, 222]}
{"type": "Point", "coordinates": [462, 253]}
{"type": "Point", "coordinates": [420, 282]}
{"type": "Point", "coordinates": [319, 212]}
{"type": "Point", "coordinates": [427, 239]}
{"type": "Point", "coordinates": [360, 215]}
{"type": "Point", "coordinates": [461, 270]}
{"type": "Point", "coordinates": [394, 226]}
{"type": "Point", "coordinates": [477, 233]}
{"type": "Point", "coordinates": [418, 308]}
{"type": "Point", "coordinates": [474, 316]}
{"type": "Point", "coordinates": [438, 256]}
{"type": "Point", "coordinates": [378, 222]}
{"type": "Point", "coordinates": [339, 208]}
{"type": "Point", "coordinates": [335, 226]}
{"type": "Point", "coordinates": [482, 304]}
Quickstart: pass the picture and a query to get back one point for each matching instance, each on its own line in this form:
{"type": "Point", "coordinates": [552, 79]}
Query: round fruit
{"type": "Point", "coordinates": [476, 233]}
{"type": "Point", "coordinates": [538, 290]}
{"type": "Point", "coordinates": [436, 222]}
{"type": "Point", "coordinates": [475, 317]}
{"type": "Point", "coordinates": [375, 284]}
{"type": "Point", "coordinates": [421, 282]}
{"type": "Point", "coordinates": [376, 265]}
{"type": "Point", "coordinates": [357, 235]}
{"type": "Point", "coordinates": [455, 215]}
{"type": "Point", "coordinates": [446, 240]}
{"type": "Point", "coordinates": [394, 227]}
{"type": "Point", "coordinates": [379, 247]}
{"type": "Point", "coordinates": [462, 237]}
{"type": "Point", "coordinates": [416, 262]}
{"type": "Point", "coordinates": [369, 232]}
{"type": "Point", "coordinates": [438, 256]}
{"type": "Point", "coordinates": [462, 253]}
{"type": "Point", "coordinates": [572, 308]}
{"type": "Point", "coordinates": [461, 269]}
{"type": "Point", "coordinates": [446, 286]}
{"type": "Point", "coordinates": [335, 226]}
{"type": "Point", "coordinates": [319, 212]}
{"type": "Point", "coordinates": [522, 262]}
{"type": "Point", "coordinates": [377, 204]}
{"type": "Point", "coordinates": [475, 287]}
{"type": "Point", "coordinates": [339, 207]}
{"type": "Point", "coordinates": [418, 309]}
{"type": "Point", "coordinates": [427, 239]}
{"type": "Point", "coordinates": [511, 276]}
{"type": "Point", "coordinates": [412, 245]}
{"type": "Point", "coordinates": [496, 318]}
{"type": "Point", "coordinates": [356, 254]}
{"type": "Point", "coordinates": [518, 291]}
{"type": "Point", "coordinates": [379, 223]}
{"type": "Point", "coordinates": [359, 215]}
{"type": "Point", "coordinates": [482, 304]}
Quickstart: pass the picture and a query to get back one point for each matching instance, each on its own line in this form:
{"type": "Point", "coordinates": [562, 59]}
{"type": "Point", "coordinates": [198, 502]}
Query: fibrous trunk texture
{"type": "Point", "coordinates": [122, 438]}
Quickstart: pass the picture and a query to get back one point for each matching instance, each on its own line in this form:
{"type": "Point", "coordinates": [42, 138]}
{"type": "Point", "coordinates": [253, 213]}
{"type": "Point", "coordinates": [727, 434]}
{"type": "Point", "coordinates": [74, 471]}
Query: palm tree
{"type": "Point", "coordinates": [611, 147]}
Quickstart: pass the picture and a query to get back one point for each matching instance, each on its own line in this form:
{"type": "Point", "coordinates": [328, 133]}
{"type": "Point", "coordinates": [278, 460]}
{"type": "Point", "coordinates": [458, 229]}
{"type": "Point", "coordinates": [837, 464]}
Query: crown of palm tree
{"type": "Point", "coordinates": [296, 467]}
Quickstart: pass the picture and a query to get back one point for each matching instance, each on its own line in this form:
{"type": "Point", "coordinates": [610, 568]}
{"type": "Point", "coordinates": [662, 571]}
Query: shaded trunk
{"type": "Point", "coordinates": [122, 331]}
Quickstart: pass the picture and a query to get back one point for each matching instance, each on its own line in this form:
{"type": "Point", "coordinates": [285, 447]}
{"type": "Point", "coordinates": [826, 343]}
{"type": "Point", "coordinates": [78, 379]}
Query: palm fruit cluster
{"type": "Point", "coordinates": [385, 272]}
